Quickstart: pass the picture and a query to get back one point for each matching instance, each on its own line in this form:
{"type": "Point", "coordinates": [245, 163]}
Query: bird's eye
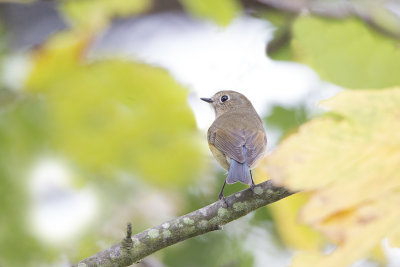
{"type": "Point", "coordinates": [224, 98]}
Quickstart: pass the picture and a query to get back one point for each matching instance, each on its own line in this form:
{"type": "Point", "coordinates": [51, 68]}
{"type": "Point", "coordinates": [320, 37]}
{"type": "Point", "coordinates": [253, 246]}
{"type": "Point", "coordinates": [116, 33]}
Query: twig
{"type": "Point", "coordinates": [206, 219]}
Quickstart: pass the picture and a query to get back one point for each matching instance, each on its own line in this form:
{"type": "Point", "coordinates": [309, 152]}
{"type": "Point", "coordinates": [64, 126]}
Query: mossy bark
{"type": "Point", "coordinates": [206, 219]}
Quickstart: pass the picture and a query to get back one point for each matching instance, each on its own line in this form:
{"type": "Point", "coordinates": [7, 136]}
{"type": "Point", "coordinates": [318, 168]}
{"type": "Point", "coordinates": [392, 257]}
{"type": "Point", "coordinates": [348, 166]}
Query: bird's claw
{"type": "Point", "coordinates": [252, 186]}
{"type": "Point", "coordinates": [221, 197]}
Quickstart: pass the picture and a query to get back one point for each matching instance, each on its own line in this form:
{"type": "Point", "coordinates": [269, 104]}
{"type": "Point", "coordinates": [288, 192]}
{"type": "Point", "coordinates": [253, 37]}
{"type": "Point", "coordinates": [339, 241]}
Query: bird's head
{"type": "Point", "coordinates": [225, 101]}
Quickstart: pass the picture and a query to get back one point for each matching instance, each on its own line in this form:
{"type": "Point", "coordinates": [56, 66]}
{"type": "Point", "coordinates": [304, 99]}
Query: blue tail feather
{"type": "Point", "coordinates": [238, 172]}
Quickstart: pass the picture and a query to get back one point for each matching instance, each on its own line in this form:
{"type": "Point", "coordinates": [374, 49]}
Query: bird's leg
{"type": "Point", "coordinates": [221, 194]}
{"type": "Point", "coordinates": [252, 181]}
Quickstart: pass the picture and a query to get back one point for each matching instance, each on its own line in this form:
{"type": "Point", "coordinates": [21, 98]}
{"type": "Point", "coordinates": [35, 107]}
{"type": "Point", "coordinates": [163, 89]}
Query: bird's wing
{"type": "Point", "coordinates": [229, 143]}
{"type": "Point", "coordinates": [256, 143]}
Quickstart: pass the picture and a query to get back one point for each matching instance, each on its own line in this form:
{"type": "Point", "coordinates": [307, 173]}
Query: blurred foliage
{"type": "Point", "coordinates": [279, 47]}
{"type": "Point", "coordinates": [95, 14]}
{"type": "Point", "coordinates": [380, 15]}
{"type": "Point", "coordinates": [22, 132]}
{"type": "Point", "coordinates": [346, 52]}
{"type": "Point", "coordinates": [286, 120]}
{"type": "Point", "coordinates": [344, 158]}
{"type": "Point", "coordinates": [17, 1]}
{"type": "Point", "coordinates": [139, 110]}
{"type": "Point", "coordinates": [113, 116]}
{"type": "Point", "coordinates": [349, 163]}
{"type": "Point", "coordinates": [18, 122]}
{"type": "Point", "coordinates": [7, 98]}
{"type": "Point", "coordinates": [349, 53]}
{"type": "Point", "coordinates": [292, 233]}
{"type": "Point", "coordinates": [105, 117]}
{"type": "Point", "coordinates": [217, 250]}
{"type": "Point", "coordinates": [222, 11]}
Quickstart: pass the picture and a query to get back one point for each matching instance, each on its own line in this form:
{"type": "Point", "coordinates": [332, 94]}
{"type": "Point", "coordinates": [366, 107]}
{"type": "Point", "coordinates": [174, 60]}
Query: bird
{"type": "Point", "coordinates": [237, 137]}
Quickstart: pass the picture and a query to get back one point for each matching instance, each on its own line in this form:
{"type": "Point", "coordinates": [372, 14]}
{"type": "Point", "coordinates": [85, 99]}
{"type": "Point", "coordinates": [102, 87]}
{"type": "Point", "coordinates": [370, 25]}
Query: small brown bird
{"type": "Point", "coordinates": [237, 137]}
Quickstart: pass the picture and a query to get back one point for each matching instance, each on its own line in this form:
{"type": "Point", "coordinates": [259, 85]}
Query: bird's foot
{"type": "Point", "coordinates": [221, 197]}
{"type": "Point", "coordinates": [252, 186]}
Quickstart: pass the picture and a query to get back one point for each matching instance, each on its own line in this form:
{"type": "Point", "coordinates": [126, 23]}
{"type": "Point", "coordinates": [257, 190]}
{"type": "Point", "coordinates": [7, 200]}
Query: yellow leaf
{"type": "Point", "coordinates": [56, 58]}
{"type": "Point", "coordinates": [357, 148]}
{"type": "Point", "coordinates": [394, 237]}
{"type": "Point", "coordinates": [95, 14]}
{"type": "Point", "coordinates": [284, 212]}
{"type": "Point", "coordinates": [356, 233]}
{"type": "Point", "coordinates": [293, 233]}
{"type": "Point", "coordinates": [377, 254]}
{"type": "Point", "coordinates": [349, 160]}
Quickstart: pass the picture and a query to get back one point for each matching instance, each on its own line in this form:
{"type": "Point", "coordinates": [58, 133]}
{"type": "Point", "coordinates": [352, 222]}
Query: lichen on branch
{"type": "Point", "coordinates": [206, 219]}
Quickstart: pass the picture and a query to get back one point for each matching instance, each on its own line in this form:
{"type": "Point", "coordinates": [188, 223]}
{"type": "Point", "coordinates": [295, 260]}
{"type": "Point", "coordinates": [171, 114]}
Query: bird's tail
{"type": "Point", "coordinates": [238, 172]}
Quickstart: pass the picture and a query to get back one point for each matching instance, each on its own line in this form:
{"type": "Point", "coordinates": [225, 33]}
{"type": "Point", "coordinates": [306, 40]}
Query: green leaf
{"type": "Point", "coordinates": [113, 114]}
{"type": "Point", "coordinates": [221, 12]}
{"type": "Point", "coordinates": [287, 119]}
{"type": "Point", "coordinates": [347, 52]}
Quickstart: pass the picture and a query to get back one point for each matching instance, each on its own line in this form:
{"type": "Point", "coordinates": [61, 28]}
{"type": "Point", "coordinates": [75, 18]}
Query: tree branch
{"type": "Point", "coordinates": [340, 10]}
{"type": "Point", "coordinates": [207, 219]}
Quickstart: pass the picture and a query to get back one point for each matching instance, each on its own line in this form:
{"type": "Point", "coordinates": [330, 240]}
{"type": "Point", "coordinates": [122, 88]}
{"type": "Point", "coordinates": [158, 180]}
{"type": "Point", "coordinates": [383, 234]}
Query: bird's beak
{"type": "Point", "coordinates": [208, 100]}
